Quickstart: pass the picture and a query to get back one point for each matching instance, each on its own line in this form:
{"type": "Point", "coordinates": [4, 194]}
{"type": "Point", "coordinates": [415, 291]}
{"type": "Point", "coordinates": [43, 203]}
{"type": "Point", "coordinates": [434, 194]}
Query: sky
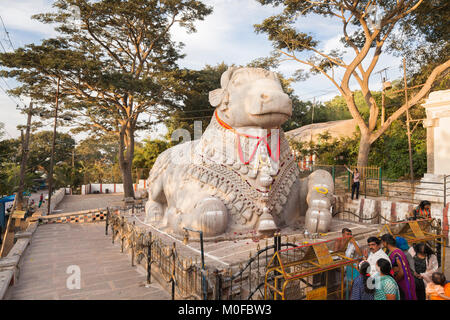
{"type": "Point", "coordinates": [227, 35]}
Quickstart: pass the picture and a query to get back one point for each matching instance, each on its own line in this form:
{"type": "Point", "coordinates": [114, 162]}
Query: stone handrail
{"type": "Point", "coordinates": [9, 269]}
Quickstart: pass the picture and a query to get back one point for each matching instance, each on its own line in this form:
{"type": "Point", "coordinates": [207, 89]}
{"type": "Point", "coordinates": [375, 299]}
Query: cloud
{"type": "Point", "coordinates": [11, 116]}
{"type": "Point", "coordinates": [226, 35]}
{"type": "Point", "coordinates": [17, 17]}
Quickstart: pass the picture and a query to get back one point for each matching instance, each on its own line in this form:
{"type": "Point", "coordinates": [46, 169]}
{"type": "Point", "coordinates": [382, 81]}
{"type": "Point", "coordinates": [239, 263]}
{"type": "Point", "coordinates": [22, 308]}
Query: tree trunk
{"type": "Point", "coordinates": [126, 154]}
{"type": "Point", "coordinates": [364, 149]}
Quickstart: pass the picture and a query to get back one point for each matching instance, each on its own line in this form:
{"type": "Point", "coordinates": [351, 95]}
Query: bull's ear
{"type": "Point", "coordinates": [216, 96]}
{"type": "Point", "coordinates": [225, 100]}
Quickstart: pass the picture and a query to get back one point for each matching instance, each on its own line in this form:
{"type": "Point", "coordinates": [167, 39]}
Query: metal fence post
{"type": "Point", "coordinates": [218, 285]}
{"type": "Point", "coordinates": [333, 173]}
{"type": "Point", "coordinates": [348, 181]}
{"type": "Point", "coordinates": [445, 191]}
{"type": "Point", "coordinates": [112, 231]}
{"type": "Point", "coordinates": [275, 243]}
{"type": "Point", "coordinates": [365, 187]}
{"type": "Point", "coordinates": [107, 221]}
{"type": "Point", "coordinates": [122, 238]}
{"type": "Point", "coordinates": [173, 271]}
{"type": "Point", "coordinates": [205, 293]}
{"type": "Point", "coordinates": [380, 181]}
{"type": "Point", "coordinates": [133, 244]}
{"type": "Point", "coordinates": [149, 258]}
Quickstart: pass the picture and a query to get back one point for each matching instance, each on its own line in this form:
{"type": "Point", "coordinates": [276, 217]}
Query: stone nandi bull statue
{"type": "Point", "coordinates": [241, 174]}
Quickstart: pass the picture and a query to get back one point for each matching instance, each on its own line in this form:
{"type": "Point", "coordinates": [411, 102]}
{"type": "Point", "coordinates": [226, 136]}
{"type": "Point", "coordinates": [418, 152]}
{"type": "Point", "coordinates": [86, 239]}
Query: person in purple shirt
{"type": "Point", "coordinates": [402, 272]}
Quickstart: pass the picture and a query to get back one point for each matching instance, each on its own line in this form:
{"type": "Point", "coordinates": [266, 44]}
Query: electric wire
{"type": "Point", "coordinates": [7, 33]}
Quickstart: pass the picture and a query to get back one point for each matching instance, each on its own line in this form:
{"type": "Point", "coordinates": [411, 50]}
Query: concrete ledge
{"type": "Point", "coordinates": [9, 262]}
{"type": "Point", "coordinates": [5, 279]}
{"type": "Point", "coordinates": [22, 235]}
{"type": "Point", "coordinates": [68, 214]}
{"type": "Point", "coordinates": [19, 247]}
{"type": "Point", "coordinates": [84, 216]}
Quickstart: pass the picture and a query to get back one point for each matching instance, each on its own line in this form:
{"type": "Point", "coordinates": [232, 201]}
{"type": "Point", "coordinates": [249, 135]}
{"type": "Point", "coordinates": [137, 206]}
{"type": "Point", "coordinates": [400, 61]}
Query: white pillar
{"type": "Point", "coordinates": [437, 107]}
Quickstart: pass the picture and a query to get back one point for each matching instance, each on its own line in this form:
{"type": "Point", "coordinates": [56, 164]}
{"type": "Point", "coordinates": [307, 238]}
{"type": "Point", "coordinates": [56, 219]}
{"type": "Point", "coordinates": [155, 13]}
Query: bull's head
{"type": "Point", "coordinates": [251, 97]}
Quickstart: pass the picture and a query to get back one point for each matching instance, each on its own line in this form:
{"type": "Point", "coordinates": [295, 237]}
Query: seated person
{"type": "Point", "coordinates": [435, 289]}
{"type": "Point", "coordinates": [422, 211]}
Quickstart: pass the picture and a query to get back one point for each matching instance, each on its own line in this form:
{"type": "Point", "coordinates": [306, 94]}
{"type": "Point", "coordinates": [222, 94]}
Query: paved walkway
{"type": "Point", "coordinates": [105, 272]}
{"type": "Point", "coordinates": [72, 203]}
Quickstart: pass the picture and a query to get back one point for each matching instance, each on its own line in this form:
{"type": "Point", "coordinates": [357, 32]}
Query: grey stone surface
{"type": "Point", "coordinates": [105, 272]}
{"type": "Point", "coordinates": [241, 174]}
{"type": "Point", "coordinates": [226, 253]}
{"type": "Point", "coordinates": [5, 279]}
{"type": "Point", "coordinates": [72, 203]}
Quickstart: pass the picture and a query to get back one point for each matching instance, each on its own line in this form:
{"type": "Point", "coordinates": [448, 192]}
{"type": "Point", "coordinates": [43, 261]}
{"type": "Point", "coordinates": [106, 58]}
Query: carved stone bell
{"type": "Point", "coordinates": [264, 179]}
{"type": "Point", "coordinates": [266, 223]}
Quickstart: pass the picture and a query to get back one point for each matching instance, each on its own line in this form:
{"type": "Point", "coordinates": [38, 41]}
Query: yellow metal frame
{"type": "Point", "coordinates": [410, 235]}
{"type": "Point", "coordinates": [284, 277]}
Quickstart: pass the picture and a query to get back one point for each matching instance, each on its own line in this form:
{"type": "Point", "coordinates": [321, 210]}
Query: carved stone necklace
{"type": "Point", "coordinates": [244, 173]}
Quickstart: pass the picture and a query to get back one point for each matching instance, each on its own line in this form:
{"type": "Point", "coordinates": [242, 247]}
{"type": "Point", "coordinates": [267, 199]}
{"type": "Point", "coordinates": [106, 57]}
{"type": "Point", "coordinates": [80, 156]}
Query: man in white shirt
{"type": "Point", "coordinates": [376, 253]}
{"type": "Point", "coordinates": [352, 252]}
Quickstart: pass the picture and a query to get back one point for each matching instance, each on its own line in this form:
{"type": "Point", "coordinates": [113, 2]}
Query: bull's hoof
{"type": "Point", "coordinates": [317, 220]}
{"type": "Point", "coordinates": [211, 217]}
{"type": "Point", "coordinates": [153, 212]}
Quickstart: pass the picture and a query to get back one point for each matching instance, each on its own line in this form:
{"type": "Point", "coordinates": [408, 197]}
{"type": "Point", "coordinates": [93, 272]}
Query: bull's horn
{"type": "Point", "coordinates": [226, 76]}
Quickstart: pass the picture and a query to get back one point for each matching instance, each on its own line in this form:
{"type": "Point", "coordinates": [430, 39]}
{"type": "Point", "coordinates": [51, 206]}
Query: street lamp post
{"type": "Point", "coordinates": [185, 240]}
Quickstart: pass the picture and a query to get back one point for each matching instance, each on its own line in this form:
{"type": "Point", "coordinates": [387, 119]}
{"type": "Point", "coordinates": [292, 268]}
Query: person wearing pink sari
{"type": "Point", "coordinates": [402, 272]}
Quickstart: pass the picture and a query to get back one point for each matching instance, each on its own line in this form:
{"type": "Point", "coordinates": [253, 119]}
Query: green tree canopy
{"type": "Point", "coordinates": [367, 28]}
{"type": "Point", "coordinates": [41, 146]}
{"type": "Point", "coordinates": [115, 61]}
{"type": "Point", "coordinates": [425, 41]}
{"type": "Point", "coordinates": [147, 153]}
{"type": "Point", "coordinates": [192, 90]}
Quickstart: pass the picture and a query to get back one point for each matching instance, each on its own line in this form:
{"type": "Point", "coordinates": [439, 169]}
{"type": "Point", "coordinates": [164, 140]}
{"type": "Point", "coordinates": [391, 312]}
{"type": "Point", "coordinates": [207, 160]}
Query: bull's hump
{"type": "Point", "coordinates": [172, 155]}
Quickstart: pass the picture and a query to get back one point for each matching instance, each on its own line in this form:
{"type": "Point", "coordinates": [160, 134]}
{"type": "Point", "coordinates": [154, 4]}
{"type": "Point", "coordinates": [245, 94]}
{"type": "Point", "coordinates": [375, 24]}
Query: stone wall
{"type": "Point", "coordinates": [378, 211]}
{"type": "Point", "coordinates": [112, 187]}
{"type": "Point", "coordinates": [56, 199]}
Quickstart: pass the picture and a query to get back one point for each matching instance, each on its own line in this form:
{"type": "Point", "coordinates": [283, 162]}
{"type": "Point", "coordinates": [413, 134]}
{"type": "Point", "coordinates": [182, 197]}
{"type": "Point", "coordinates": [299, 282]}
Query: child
{"type": "Point", "coordinates": [435, 289]}
{"type": "Point", "coordinates": [41, 199]}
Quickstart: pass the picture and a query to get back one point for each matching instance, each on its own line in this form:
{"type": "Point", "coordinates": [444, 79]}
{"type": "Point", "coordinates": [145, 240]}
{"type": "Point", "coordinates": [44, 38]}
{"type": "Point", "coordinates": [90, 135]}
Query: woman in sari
{"type": "Point", "coordinates": [400, 266]}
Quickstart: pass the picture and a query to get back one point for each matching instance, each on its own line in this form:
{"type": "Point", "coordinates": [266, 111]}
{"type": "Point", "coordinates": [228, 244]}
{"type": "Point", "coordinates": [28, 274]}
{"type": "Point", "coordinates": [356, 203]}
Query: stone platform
{"type": "Point", "coordinates": [72, 203]}
{"type": "Point", "coordinates": [231, 253]}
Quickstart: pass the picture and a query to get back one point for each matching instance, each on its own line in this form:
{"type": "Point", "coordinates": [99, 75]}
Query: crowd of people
{"type": "Point", "coordinates": [392, 270]}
